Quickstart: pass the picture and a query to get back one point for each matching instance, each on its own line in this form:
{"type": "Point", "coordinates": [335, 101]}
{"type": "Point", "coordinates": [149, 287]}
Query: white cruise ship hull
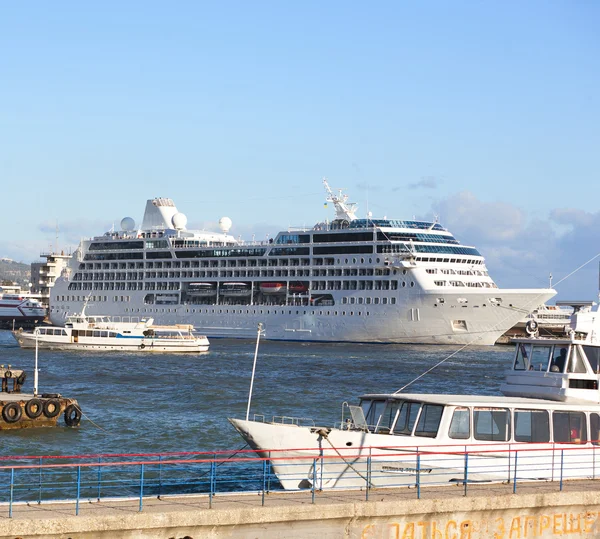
{"type": "Point", "coordinates": [415, 319]}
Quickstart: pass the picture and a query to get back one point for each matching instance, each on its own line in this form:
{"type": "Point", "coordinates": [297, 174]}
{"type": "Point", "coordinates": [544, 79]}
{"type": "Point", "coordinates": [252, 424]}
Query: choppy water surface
{"type": "Point", "coordinates": [157, 403]}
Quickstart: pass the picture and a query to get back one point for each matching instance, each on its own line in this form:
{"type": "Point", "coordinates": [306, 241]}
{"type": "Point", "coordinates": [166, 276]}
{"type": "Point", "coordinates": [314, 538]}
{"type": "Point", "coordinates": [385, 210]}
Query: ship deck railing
{"type": "Point", "coordinates": [216, 475]}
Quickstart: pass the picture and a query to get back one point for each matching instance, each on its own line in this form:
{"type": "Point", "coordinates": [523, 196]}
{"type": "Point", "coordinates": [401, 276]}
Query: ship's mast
{"type": "Point", "coordinates": [343, 209]}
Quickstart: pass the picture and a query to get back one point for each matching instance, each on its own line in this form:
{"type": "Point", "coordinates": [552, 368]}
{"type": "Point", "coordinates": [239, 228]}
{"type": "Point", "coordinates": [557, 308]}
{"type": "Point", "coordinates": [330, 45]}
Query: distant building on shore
{"type": "Point", "coordinates": [44, 274]}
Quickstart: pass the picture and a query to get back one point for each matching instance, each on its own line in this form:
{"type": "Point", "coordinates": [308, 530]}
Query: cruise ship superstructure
{"type": "Point", "coordinates": [350, 280]}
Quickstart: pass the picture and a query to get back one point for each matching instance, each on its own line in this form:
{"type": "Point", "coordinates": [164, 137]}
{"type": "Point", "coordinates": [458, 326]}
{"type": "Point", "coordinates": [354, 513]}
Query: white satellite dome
{"type": "Point", "coordinates": [225, 224]}
{"type": "Point", "coordinates": [127, 224]}
{"type": "Point", "coordinates": [179, 221]}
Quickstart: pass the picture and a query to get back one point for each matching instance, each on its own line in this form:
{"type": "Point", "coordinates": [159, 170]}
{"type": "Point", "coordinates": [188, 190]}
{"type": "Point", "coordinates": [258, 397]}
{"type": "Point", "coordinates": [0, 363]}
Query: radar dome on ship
{"type": "Point", "coordinates": [225, 224]}
{"type": "Point", "coordinates": [179, 221]}
{"type": "Point", "coordinates": [127, 224]}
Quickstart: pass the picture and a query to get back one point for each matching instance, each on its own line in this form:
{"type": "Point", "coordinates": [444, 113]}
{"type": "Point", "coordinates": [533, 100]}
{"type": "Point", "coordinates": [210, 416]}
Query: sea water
{"type": "Point", "coordinates": [149, 403]}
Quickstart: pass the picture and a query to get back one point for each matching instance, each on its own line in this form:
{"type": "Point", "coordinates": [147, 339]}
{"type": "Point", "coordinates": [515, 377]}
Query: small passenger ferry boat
{"type": "Point", "coordinates": [83, 332]}
{"type": "Point", "coordinates": [550, 407]}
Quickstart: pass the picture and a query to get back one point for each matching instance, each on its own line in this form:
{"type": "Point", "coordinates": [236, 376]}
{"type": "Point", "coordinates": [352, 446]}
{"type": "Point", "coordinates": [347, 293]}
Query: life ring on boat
{"type": "Point", "coordinates": [72, 415]}
{"type": "Point", "coordinates": [11, 413]}
{"type": "Point", "coordinates": [532, 327]}
{"type": "Point", "coordinates": [7, 374]}
{"type": "Point", "coordinates": [34, 408]}
{"type": "Point", "coordinates": [142, 346]}
{"type": "Point", "coordinates": [51, 408]}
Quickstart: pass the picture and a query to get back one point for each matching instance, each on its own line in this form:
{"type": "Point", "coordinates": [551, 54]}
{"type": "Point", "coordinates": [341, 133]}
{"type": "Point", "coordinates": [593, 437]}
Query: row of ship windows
{"type": "Point", "coordinates": [466, 283]}
{"type": "Point", "coordinates": [134, 275]}
{"type": "Point", "coordinates": [262, 262]}
{"type": "Point", "coordinates": [450, 271]}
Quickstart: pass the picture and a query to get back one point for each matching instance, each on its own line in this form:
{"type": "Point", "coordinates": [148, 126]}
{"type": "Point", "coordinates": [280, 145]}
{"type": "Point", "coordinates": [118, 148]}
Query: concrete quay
{"type": "Point", "coordinates": [488, 512]}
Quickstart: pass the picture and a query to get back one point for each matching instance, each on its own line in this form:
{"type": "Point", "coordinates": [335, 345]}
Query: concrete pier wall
{"type": "Point", "coordinates": [537, 515]}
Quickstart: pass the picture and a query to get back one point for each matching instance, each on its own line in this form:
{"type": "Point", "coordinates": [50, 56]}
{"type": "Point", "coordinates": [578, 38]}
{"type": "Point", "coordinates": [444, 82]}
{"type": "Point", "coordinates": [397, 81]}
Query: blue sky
{"type": "Point", "coordinates": [483, 113]}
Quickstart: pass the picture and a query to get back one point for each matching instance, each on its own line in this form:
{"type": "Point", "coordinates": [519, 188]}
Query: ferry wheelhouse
{"type": "Point", "coordinates": [351, 279]}
{"type": "Point", "coordinates": [550, 406]}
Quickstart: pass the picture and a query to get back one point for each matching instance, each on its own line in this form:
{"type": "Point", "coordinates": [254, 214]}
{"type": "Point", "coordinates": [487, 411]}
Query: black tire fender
{"type": "Point", "coordinates": [21, 378]}
{"type": "Point", "coordinates": [12, 412]}
{"type": "Point", "coordinates": [7, 374]}
{"type": "Point", "coordinates": [34, 408]}
{"type": "Point", "coordinates": [72, 415]}
{"type": "Point", "coordinates": [51, 408]}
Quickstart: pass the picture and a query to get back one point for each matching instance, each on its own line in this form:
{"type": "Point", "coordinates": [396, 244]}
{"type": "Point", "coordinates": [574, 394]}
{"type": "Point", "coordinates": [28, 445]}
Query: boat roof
{"type": "Point", "coordinates": [481, 400]}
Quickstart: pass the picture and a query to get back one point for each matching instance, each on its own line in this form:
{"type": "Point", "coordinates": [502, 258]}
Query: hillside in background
{"type": "Point", "coordinates": [14, 271]}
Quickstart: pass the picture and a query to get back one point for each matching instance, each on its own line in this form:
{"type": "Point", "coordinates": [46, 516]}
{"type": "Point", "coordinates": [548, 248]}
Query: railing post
{"type": "Point", "coordinates": [515, 471]}
{"type": "Point", "coordinates": [368, 477]}
{"type": "Point", "coordinates": [466, 479]}
{"type": "Point", "coordinates": [562, 463]}
{"type": "Point", "coordinates": [141, 486]}
{"type": "Point", "coordinates": [418, 475]}
{"type": "Point", "coordinates": [40, 483]}
{"type": "Point", "coordinates": [264, 481]}
{"type": "Point", "coordinates": [99, 478]}
{"type": "Point", "coordinates": [313, 481]}
{"type": "Point", "coordinates": [12, 487]}
{"type": "Point", "coordinates": [78, 489]}
{"type": "Point", "coordinates": [212, 484]}
{"type": "Point", "coordinates": [159, 475]}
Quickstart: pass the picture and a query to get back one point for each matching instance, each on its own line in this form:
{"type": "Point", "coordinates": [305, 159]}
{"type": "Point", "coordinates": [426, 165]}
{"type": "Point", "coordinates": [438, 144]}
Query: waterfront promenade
{"type": "Point", "coordinates": [488, 511]}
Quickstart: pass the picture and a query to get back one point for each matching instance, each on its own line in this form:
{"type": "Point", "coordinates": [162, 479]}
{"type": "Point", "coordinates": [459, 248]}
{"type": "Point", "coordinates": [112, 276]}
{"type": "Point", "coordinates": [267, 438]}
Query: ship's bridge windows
{"type": "Point", "coordinates": [460, 425]}
{"type": "Point", "coordinates": [532, 426]}
{"type": "Point", "coordinates": [491, 424]}
{"type": "Point", "coordinates": [569, 427]}
{"type": "Point", "coordinates": [429, 420]}
{"type": "Point", "coordinates": [593, 356]}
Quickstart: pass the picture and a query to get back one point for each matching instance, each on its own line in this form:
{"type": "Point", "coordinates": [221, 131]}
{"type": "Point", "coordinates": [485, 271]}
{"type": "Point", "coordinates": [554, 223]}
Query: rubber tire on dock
{"type": "Point", "coordinates": [34, 408]}
{"type": "Point", "coordinates": [72, 415]}
{"type": "Point", "coordinates": [11, 412]}
{"type": "Point", "coordinates": [51, 408]}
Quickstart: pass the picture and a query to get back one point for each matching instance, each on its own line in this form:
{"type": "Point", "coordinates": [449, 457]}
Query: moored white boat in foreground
{"type": "Point", "coordinates": [83, 332]}
{"type": "Point", "coordinates": [549, 415]}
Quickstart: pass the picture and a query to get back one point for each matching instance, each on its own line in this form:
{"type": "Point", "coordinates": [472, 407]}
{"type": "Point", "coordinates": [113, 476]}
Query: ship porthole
{"type": "Point", "coordinates": [349, 444]}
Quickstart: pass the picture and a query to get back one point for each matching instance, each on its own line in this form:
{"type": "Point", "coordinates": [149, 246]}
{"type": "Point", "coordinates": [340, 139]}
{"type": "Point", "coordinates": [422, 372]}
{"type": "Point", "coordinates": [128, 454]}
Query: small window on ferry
{"type": "Point", "coordinates": [595, 429]}
{"type": "Point", "coordinates": [532, 426]}
{"type": "Point", "coordinates": [389, 415]}
{"type": "Point", "coordinates": [540, 357]}
{"type": "Point", "coordinates": [569, 427]}
{"type": "Point", "coordinates": [593, 355]}
{"type": "Point", "coordinates": [460, 426]}
{"type": "Point", "coordinates": [523, 355]}
{"type": "Point", "coordinates": [429, 420]}
{"type": "Point", "coordinates": [491, 424]}
{"type": "Point", "coordinates": [374, 414]}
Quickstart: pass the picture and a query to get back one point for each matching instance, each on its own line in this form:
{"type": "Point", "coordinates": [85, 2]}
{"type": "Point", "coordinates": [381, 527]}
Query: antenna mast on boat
{"type": "Point", "coordinates": [343, 209]}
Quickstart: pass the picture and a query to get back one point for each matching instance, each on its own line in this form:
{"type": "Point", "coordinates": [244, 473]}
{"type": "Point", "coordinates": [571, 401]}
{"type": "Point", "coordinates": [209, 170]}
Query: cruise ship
{"type": "Point", "coordinates": [345, 280]}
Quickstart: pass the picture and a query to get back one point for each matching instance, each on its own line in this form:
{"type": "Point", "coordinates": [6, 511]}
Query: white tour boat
{"type": "Point", "coordinates": [89, 332]}
{"type": "Point", "coordinates": [349, 279]}
{"type": "Point", "coordinates": [17, 309]}
{"type": "Point", "coordinates": [548, 416]}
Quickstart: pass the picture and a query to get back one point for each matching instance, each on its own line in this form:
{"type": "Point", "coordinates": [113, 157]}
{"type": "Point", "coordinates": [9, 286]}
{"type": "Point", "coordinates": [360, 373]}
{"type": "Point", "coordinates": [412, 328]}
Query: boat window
{"type": "Point", "coordinates": [540, 357]}
{"type": "Point", "coordinates": [375, 412]}
{"type": "Point", "coordinates": [491, 424]}
{"type": "Point", "coordinates": [569, 427]}
{"type": "Point", "coordinates": [532, 426]}
{"type": "Point", "coordinates": [389, 416]}
{"type": "Point", "coordinates": [595, 429]}
{"type": "Point", "coordinates": [523, 355]}
{"type": "Point", "coordinates": [576, 363]}
{"type": "Point", "coordinates": [429, 420]}
{"type": "Point", "coordinates": [407, 417]}
{"type": "Point", "coordinates": [593, 356]}
{"type": "Point", "coordinates": [460, 426]}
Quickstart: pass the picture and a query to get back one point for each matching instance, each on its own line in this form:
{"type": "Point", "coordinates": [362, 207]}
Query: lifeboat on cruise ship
{"type": "Point", "coordinates": [201, 289]}
{"type": "Point", "coordinates": [235, 289]}
{"type": "Point", "coordinates": [272, 288]}
{"type": "Point", "coordinates": [298, 288]}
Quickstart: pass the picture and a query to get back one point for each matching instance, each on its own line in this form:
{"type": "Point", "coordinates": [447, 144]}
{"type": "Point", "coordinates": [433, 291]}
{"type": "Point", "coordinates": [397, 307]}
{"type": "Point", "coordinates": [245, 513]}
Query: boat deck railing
{"type": "Point", "coordinates": [144, 476]}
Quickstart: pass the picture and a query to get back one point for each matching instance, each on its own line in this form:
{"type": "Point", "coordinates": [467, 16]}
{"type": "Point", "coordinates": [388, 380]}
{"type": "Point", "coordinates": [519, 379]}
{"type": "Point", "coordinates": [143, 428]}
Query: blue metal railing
{"type": "Point", "coordinates": [141, 476]}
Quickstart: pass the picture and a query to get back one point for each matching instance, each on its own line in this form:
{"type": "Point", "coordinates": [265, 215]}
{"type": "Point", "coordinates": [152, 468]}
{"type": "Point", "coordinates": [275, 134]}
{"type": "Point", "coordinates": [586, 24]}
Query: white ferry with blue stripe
{"type": "Point", "coordinates": [348, 279]}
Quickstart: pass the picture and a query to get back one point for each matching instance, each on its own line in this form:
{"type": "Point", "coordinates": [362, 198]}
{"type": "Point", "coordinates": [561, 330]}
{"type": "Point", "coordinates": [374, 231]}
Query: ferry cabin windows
{"type": "Point", "coordinates": [532, 426]}
{"type": "Point", "coordinates": [569, 427]}
{"type": "Point", "coordinates": [491, 424]}
{"type": "Point", "coordinates": [460, 426]}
